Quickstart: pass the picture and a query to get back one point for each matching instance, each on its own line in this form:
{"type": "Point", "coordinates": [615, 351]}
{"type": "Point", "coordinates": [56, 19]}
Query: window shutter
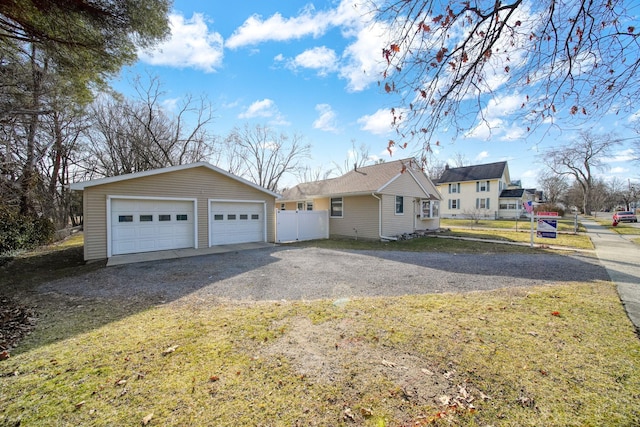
{"type": "Point", "coordinates": [458, 184]}
{"type": "Point", "coordinates": [458, 204]}
{"type": "Point", "coordinates": [488, 183]}
{"type": "Point", "coordinates": [477, 186]}
{"type": "Point", "coordinates": [449, 202]}
{"type": "Point", "coordinates": [449, 191]}
{"type": "Point", "coordinates": [477, 203]}
{"type": "Point", "coordinates": [488, 203]}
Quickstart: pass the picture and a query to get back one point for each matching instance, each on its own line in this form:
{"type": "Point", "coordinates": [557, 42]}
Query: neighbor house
{"type": "Point", "coordinates": [374, 202]}
{"type": "Point", "coordinates": [188, 206]}
{"type": "Point", "coordinates": [481, 191]}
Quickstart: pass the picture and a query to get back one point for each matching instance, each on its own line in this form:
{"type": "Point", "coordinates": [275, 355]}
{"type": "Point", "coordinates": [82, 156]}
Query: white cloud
{"type": "Point", "coordinates": [378, 123]}
{"type": "Point", "coordinates": [256, 30]}
{"type": "Point", "coordinates": [327, 119]}
{"type": "Point", "coordinates": [618, 170]}
{"type": "Point", "coordinates": [266, 109]}
{"type": "Point", "coordinates": [263, 108]}
{"type": "Point", "coordinates": [364, 65]}
{"type": "Point", "coordinates": [190, 45]}
{"type": "Point", "coordinates": [360, 63]}
{"type": "Point", "coordinates": [482, 155]}
{"type": "Point", "coordinates": [626, 155]}
{"type": "Point", "coordinates": [321, 58]}
{"type": "Point", "coordinates": [493, 124]}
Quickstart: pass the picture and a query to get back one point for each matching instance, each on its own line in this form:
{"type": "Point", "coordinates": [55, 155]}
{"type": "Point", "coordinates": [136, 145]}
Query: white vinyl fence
{"type": "Point", "coordinates": [294, 226]}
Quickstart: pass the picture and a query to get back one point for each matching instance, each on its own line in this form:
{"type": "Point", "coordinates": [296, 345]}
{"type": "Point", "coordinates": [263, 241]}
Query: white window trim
{"type": "Point", "coordinates": [431, 203]}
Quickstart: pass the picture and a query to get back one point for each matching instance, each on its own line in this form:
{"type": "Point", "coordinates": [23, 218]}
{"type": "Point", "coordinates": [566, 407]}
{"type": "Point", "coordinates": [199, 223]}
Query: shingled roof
{"type": "Point", "coordinates": [362, 180]}
{"type": "Point", "coordinates": [473, 173]}
{"type": "Point", "coordinates": [512, 192]}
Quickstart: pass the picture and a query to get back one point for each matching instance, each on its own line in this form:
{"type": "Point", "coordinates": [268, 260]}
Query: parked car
{"type": "Point", "coordinates": [625, 216]}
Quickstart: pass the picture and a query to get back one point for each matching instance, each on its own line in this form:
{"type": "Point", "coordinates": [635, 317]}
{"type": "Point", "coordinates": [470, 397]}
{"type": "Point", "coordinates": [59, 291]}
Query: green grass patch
{"type": "Point", "coordinates": [565, 225]}
{"type": "Point", "coordinates": [576, 241]}
{"type": "Point", "coordinates": [547, 356]}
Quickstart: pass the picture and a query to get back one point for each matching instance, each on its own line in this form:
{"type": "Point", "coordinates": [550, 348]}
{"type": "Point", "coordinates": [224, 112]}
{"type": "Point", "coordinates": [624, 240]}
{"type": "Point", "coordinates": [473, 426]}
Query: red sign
{"type": "Point", "coordinates": [547, 213]}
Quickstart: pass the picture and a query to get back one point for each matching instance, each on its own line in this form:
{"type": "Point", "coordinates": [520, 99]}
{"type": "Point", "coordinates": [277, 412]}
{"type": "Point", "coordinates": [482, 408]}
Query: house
{"type": "Point", "coordinates": [374, 202]}
{"type": "Point", "coordinates": [187, 206]}
{"type": "Point", "coordinates": [481, 191]}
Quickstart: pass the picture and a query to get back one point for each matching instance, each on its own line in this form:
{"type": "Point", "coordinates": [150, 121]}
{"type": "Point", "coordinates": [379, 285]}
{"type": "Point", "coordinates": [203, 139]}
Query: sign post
{"type": "Point", "coordinates": [528, 206]}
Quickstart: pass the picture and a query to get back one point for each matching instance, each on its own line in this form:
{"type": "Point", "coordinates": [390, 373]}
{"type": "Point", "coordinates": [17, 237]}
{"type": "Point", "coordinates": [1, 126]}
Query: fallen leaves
{"type": "Point", "coordinates": [16, 321]}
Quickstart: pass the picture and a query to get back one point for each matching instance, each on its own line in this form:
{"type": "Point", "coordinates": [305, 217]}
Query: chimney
{"type": "Point", "coordinates": [355, 166]}
{"type": "Point", "coordinates": [446, 167]}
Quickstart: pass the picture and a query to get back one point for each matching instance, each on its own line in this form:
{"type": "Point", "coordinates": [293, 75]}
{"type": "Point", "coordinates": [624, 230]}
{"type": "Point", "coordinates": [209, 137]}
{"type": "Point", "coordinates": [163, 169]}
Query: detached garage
{"type": "Point", "coordinates": [186, 206]}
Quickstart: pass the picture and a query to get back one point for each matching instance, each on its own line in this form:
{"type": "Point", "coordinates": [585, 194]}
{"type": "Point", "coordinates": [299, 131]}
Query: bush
{"type": "Point", "coordinates": [23, 232]}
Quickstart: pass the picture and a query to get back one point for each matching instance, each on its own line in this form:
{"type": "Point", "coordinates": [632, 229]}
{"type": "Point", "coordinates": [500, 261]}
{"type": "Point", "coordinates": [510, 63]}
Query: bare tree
{"type": "Point", "coordinates": [356, 157]}
{"type": "Point", "coordinates": [263, 156]}
{"type": "Point", "coordinates": [580, 159]}
{"type": "Point", "coordinates": [553, 186]}
{"type": "Point", "coordinates": [623, 192]}
{"type": "Point", "coordinates": [309, 174]}
{"type": "Point", "coordinates": [132, 135]}
{"type": "Point", "coordinates": [447, 61]}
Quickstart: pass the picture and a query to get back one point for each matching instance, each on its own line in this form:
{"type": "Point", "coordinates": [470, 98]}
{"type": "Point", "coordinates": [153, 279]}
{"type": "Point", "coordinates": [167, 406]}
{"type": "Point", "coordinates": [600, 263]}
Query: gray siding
{"type": "Point", "coordinates": [200, 183]}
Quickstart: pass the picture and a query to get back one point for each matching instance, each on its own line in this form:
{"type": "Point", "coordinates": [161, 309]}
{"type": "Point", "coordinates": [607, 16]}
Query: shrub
{"type": "Point", "coordinates": [23, 232]}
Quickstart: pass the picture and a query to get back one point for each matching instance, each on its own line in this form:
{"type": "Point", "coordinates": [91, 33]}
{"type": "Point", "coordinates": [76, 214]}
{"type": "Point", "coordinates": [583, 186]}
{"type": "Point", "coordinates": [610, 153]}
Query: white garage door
{"type": "Point", "coordinates": [151, 225]}
{"type": "Point", "coordinates": [236, 222]}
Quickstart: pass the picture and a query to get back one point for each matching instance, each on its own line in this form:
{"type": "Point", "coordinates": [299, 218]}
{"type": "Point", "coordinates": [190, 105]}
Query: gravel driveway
{"type": "Point", "coordinates": [285, 273]}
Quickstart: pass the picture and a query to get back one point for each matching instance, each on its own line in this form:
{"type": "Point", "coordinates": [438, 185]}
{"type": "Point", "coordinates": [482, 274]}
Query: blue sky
{"type": "Point", "coordinates": [313, 69]}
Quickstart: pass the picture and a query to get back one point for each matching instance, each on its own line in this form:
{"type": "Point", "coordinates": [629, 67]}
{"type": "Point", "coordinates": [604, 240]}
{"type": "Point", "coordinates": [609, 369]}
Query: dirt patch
{"type": "Point", "coordinates": [330, 352]}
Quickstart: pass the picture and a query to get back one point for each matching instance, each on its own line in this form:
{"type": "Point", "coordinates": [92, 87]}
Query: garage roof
{"type": "Point", "coordinates": [101, 181]}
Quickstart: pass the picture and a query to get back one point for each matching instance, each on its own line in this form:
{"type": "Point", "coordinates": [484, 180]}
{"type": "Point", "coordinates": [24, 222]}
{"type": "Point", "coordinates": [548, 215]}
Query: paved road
{"type": "Point", "coordinates": [621, 258]}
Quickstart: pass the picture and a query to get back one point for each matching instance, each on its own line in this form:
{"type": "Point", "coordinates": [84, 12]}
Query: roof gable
{"type": "Point", "coordinates": [362, 180]}
{"type": "Point", "coordinates": [474, 173]}
{"type": "Point", "coordinates": [119, 178]}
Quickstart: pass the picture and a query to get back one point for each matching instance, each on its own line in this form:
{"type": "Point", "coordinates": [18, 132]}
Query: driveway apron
{"type": "Point", "coordinates": [621, 258]}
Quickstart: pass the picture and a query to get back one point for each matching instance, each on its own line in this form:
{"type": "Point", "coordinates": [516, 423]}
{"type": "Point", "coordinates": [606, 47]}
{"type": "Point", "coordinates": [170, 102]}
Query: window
{"type": "Point", "coordinates": [218, 217]}
{"type": "Point", "coordinates": [164, 217]}
{"type": "Point", "coordinates": [310, 206]}
{"type": "Point", "coordinates": [255, 216]}
{"type": "Point", "coordinates": [125, 218]}
{"type": "Point", "coordinates": [399, 205]}
{"type": "Point", "coordinates": [454, 188]}
{"type": "Point", "coordinates": [336, 207]}
{"type": "Point", "coordinates": [508, 205]}
{"type": "Point", "coordinates": [482, 203]}
{"type": "Point", "coordinates": [146, 218]}
{"type": "Point", "coordinates": [281, 206]}
{"type": "Point", "coordinates": [454, 203]}
{"type": "Point", "coordinates": [244, 216]}
{"type": "Point", "coordinates": [300, 206]}
{"type": "Point", "coordinates": [181, 217]}
{"type": "Point", "coordinates": [430, 209]}
{"type": "Point", "coordinates": [231, 217]}
{"type": "Point", "coordinates": [482, 186]}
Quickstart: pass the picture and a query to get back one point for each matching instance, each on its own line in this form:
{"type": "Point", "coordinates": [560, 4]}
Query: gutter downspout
{"type": "Point", "coordinates": [380, 220]}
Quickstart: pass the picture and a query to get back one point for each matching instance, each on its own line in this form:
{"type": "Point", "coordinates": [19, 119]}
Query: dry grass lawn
{"type": "Point", "coordinates": [556, 355]}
